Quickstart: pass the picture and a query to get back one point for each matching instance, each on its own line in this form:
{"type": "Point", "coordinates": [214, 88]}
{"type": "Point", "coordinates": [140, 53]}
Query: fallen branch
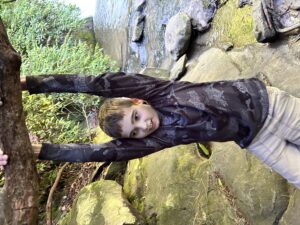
{"type": "Point", "coordinates": [49, 200]}
{"type": "Point", "coordinates": [98, 171]}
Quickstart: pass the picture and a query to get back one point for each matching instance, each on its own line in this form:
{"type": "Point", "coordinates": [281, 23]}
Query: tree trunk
{"type": "Point", "coordinates": [19, 199]}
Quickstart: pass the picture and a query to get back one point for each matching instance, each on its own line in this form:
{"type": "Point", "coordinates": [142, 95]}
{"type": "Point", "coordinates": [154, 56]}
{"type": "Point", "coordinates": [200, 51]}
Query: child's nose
{"type": "Point", "coordinates": [143, 125]}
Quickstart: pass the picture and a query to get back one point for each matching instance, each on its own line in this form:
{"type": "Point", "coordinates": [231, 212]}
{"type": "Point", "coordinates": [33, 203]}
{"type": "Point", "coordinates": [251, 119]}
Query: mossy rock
{"type": "Point", "coordinates": [177, 186]}
{"type": "Point", "coordinates": [234, 25]}
{"type": "Point", "coordinates": [101, 203]}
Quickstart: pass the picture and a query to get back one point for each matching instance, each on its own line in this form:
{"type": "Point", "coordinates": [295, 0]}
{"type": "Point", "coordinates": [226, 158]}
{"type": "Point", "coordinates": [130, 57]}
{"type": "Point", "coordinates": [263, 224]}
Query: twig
{"type": "Point", "coordinates": [49, 200]}
{"type": "Point", "coordinates": [83, 110]}
{"type": "Point", "coordinates": [98, 171]}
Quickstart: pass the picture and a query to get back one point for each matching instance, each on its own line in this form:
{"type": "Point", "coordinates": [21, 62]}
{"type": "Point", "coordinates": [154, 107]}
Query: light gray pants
{"type": "Point", "coordinates": [278, 142]}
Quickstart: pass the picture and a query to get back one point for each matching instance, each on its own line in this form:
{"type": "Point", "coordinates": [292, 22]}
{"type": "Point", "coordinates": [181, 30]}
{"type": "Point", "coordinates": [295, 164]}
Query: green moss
{"type": "Point", "coordinates": [235, 25]}
{"type": "Point", "coordinates": [101, 137]}
{"type": "Point", "coordinates": [133, 184]}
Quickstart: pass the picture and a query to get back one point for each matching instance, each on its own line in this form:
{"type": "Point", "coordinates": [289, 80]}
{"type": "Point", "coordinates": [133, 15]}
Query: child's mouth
{"type": "Point", "coordinates": [151, 125]}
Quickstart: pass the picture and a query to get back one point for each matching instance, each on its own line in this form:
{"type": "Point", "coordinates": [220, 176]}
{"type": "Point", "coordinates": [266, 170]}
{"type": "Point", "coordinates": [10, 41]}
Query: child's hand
{"type": "Point", "coordinates": [3, 159]}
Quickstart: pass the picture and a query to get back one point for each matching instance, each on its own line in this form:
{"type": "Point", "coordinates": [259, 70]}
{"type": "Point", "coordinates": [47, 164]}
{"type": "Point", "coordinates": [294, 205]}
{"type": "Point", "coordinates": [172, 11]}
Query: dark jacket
{"type": "Point", "coordinates": [189, 112]}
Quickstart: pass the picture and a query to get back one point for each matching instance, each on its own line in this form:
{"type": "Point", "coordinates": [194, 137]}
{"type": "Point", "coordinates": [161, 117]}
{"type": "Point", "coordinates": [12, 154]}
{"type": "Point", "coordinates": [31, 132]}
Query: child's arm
{"type": "Point", "coordinates": [116, 150]}
{"type": "Point", "coordinates": [4, 158]}
{"type": "Point", "coordinates": [106, 85]}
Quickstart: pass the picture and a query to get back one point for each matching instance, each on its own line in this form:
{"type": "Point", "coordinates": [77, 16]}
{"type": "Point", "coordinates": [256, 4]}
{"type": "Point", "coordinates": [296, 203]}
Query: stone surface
{"type": "Point", "coordinates": [178, 34]}
{"type": "Point", "coordinates": [260, 194]}
{"type": "Point", "coordinates": [138, 27]}
{"type": "Point", "coordinates": [178, 69]}
{"type": "Point", "coordinates": [101, 203]}
{"type": "Point", "coordinates": [177, 186]}
{"type": "Point", "coordinates": [291, 216]}
{"type": "Point", "coordinates": [279, 64]}
{"type": "Point", "coordinates": [213, 64]}
{"type": "Point", "coordinates": [156, 72]}
{"type": "Point", "coordinates": [201, 13]}
{"type": "Point", "coordinates": [274, 17]}
{"type": "Point", "coordinates": [264, 29]}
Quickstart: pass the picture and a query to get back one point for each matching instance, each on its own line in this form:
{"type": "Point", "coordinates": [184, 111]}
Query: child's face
{"type": "Point", "coordinates": [139, 121]}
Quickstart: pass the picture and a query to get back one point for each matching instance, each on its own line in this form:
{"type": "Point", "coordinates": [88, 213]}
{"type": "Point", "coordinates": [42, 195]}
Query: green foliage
{"type": "Point", "coordinates": [39, 30]}
{"type": "Point", "coordinates": [38, 22]}
{"type": "Point", "coordinates": [45, 119]}
{"type": "Point", "coordinates": [59, 117]}
{"type": "Point", "coordinates": [70, 57]}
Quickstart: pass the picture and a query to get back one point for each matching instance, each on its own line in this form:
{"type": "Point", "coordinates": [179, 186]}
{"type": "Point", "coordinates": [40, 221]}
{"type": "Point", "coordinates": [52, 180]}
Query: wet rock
{"type": "Point", "coordinates": [138, 20]}
{"type": "Point", "coordinates": [179, 68]}
{"type": "Point", "coordinates": [139, 5]}
{"type": "Point", "coordinates": [201, 13]}
{"type": "Point", "coordinates": [178, 34]}
{"type": "Point", "coordinates": [99, 203]}
{"type": "Point", "coordinates": [138, 27]}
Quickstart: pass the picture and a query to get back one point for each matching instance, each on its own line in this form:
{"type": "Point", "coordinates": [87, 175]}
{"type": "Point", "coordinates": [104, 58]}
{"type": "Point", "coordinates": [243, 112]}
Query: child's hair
{"type": "Point", "coordinates": [111, 113]}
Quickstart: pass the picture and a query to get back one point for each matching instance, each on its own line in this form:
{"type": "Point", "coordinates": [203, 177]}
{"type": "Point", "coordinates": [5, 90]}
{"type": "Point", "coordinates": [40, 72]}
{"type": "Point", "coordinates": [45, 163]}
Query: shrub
{"type": "Point", "coordinates": [62, 118]}
{"type": "Point", "coordinates": [39, 30]}
{"type": "Point", "coordinates": [38, 22]}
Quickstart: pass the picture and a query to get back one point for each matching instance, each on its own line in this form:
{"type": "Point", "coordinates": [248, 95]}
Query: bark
{"type": "Point", "coordinates": [21, 181]}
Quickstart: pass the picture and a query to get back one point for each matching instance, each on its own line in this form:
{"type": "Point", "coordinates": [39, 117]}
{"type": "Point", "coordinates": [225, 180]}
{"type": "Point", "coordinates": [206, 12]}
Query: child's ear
{"type": "Point", "coordinates": [138, 101]}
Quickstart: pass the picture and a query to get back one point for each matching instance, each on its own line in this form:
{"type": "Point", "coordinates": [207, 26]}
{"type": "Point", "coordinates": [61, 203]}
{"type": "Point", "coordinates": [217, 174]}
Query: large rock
{"type": "Point", "coordinates": [178, 34]}
{"type": "Point", "coordinates": [280, 65]}
{"type": "Point", "coordinates": [213, 64]}
{"type": "Point", "coordinates": [201, 12]}
{"type": "Point", "coordinates": [274, 16]}
{"type": "Point", "coordinates": [114, 23]}
{"type": "Point", "coordinates": [260, 194]}
{"type": "Point", "coordinates": [101, 203]}
{"type": "Point", "coordinates": [177, 186]}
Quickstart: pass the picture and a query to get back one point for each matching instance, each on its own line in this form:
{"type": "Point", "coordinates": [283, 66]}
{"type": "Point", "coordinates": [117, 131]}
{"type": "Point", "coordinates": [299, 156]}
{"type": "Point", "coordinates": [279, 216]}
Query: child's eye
{"type": "Point", "coordinates": [133, 133]}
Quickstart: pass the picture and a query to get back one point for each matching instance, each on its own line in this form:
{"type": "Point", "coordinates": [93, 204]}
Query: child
{"type": "Point", "coordinates": [265, 120]}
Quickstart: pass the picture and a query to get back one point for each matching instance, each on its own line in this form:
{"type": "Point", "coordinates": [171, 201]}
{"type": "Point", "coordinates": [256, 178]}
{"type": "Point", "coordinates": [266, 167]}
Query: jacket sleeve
{"type": "Point", "coordinates": [107, 85]}
{"type": "Point", "coordinates": [115, 150]}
